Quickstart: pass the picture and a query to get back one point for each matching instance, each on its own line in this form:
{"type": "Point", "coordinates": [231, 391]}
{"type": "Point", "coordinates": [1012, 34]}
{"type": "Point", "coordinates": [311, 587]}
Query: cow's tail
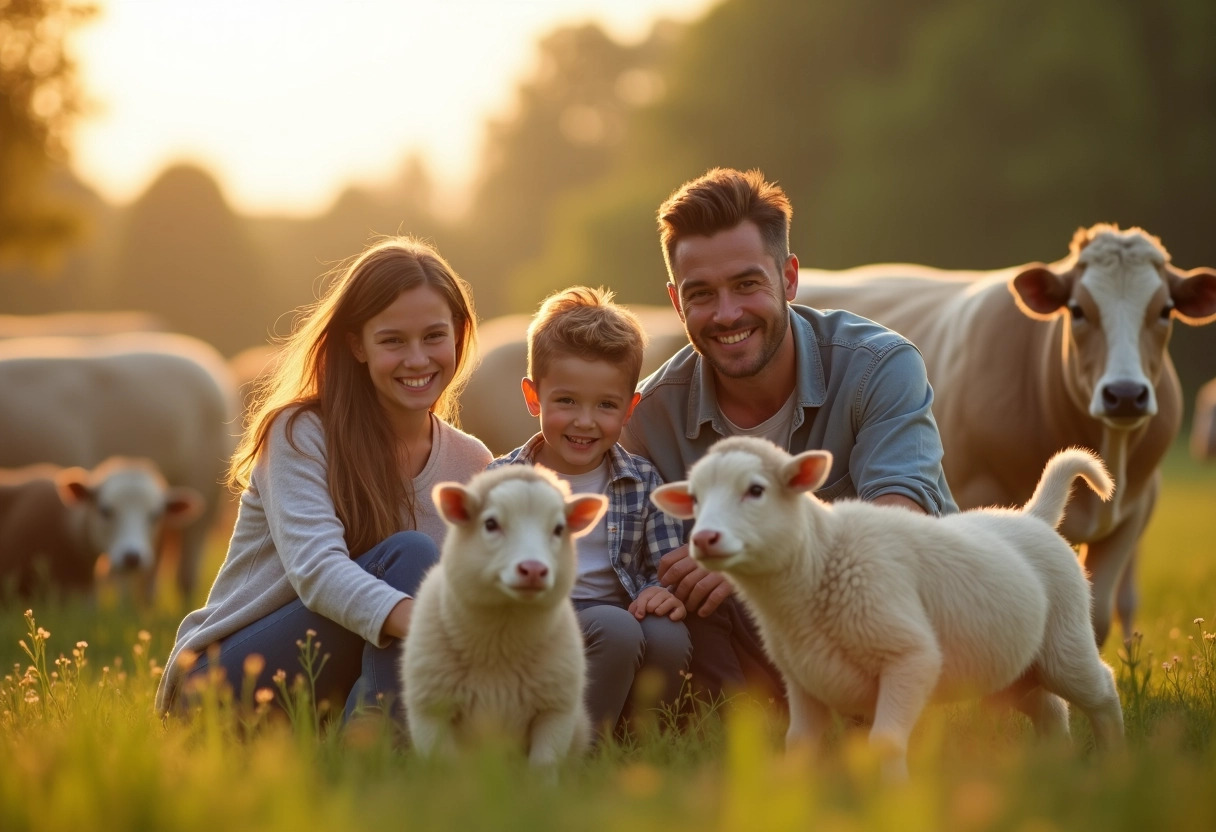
{"type": "Point", "coordinates": [1051, 495]}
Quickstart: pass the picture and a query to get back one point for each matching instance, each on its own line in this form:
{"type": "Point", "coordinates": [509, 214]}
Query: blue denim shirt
{"type": "Point", "coordinates": [862, 393]}
{"type": "Point", "coordinates": [638, 533]}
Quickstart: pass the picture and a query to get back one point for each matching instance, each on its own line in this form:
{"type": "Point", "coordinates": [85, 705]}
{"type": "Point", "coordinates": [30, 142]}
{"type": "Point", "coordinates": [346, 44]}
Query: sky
{"type": "Point", "coordinates": [288, 101]}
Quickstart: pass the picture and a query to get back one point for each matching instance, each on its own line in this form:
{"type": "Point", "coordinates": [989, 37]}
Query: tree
{"type": "Point", "coordinates": [186, 257]}
{"type": "Point", "coordinates": [40, 98]}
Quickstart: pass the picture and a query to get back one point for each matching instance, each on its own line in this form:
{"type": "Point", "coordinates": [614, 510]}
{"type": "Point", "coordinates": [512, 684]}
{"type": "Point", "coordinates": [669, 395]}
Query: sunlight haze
{"type": "Point", "coordinates": [288, 102]}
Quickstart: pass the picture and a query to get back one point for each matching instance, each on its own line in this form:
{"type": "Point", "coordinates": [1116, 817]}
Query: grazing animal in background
{"type": "Point", "coordinates": [1029, 360]}
{"type": "Point", "coordinates": [874, 611]}
{"type": "Point", "coordinates": [79, 323]}
{"type": "Point", "coordinates": [494, 648]}
{"type": "Point", "coordinates": [55, 523]}
{"type": "Point", "coordinates": [1203, 425]}
{"type": "Point", "coordinates": [166, 397]}
{"type": "Point", "coordinates": [484, 410]}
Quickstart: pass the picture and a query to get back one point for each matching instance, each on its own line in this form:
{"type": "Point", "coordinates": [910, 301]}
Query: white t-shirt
{"type": "Point", "coordinates": [597, 580]}
{"type": "Point", "coordinates": [776, 428]}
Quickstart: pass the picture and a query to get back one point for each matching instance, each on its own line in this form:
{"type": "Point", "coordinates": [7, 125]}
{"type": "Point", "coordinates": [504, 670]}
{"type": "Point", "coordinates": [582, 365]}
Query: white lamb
{"type": "Point", "coordinates": [494, 648]}
{"type": "Point", "coordinates": [875, 610]}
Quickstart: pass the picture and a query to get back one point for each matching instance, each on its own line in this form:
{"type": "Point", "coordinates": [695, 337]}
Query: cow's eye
{"type": "Point", "coordinates": [491, 524]}
{"type": "Point", "coordinates": [558, 529]}
{"type": "Point", "coordinates": [1074, 309]}
{"type": "Point", "coordinates": [756, 491]}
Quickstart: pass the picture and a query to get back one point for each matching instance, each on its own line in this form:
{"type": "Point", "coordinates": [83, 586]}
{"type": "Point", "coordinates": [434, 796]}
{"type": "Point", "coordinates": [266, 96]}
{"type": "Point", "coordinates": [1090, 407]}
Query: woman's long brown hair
{"type": "Point", "coordinates": [317, 371]}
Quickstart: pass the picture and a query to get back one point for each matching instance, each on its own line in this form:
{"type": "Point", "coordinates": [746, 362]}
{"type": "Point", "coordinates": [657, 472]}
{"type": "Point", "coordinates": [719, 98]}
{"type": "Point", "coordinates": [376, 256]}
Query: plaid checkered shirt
{"type": "Point", "coordinates": [638, 533]}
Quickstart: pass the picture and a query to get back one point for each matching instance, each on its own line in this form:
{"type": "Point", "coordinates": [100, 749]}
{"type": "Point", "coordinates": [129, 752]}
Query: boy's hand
{"type": "Point", "coordinates": [701, 591]}
{"type": "Point", "coordinates": [655, 600]}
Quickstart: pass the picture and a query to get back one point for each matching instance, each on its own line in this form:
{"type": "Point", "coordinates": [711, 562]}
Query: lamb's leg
{"type": "Point", "coordinates": [1048, 712]}
{"type": "Point", "coordinates": [904, 688]}
{"type": "Point", "coordinates": [808, 719]}
{"type": "Point", "coordinates": [429, 736]}
{"type": "Point", "coordinates": [551, 736]}
{"type": "Point", "coordinates": [1069, 665]}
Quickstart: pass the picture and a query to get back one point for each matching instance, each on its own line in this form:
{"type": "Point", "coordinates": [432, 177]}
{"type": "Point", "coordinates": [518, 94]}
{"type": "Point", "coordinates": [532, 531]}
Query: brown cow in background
{"type": "Point", "coordinates": [1203, 425]}
{"type": "Point", "coordinates": [1029, 360]}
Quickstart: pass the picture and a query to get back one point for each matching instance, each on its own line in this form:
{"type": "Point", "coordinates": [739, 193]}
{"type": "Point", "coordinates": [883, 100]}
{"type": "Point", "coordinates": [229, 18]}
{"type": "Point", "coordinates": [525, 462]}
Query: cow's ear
{"type": "Point", "coordinates": [73, 486]}
{"type": "Point", "coordinates": [675, 500]}
{"type": "Point", "coordinates": [1039, 291]}
{"type": "Point", "coordinates": [183, 505]}
{"type": "Point", "coordinates": [807, 471]}
{"type": "Point", "coordinates": [1194, 294]}
{"type": "Point", "coordinates": [583, 511]}
{"type": "Point", "coordinates": [455, 503]}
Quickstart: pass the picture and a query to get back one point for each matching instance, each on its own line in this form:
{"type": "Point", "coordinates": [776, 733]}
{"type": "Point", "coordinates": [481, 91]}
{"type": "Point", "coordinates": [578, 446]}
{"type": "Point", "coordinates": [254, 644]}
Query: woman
{"type": "Point", "coordinates": [350, 433]}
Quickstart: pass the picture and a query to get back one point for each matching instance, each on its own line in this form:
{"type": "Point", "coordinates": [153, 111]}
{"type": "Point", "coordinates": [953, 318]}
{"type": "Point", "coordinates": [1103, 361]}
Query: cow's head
{"type": "Point", "coordinates": [1119, 295]}
{"type": "Point", "coordinates": [127, 505]}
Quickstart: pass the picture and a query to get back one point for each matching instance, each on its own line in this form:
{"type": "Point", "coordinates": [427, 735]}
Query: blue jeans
{"type": "Point", "coordinates": [357, 672]}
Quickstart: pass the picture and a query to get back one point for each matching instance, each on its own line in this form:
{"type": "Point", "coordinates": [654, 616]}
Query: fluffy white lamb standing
{"type": "Point", "coordinates": [873, 611]}
{"type": "Point", "coordinates": [494, 648]}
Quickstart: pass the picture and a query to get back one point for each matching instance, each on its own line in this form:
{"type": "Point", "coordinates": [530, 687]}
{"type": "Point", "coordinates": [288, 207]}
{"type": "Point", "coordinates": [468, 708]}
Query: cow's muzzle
{"type": "Point", "coordinates": [1126, 400]}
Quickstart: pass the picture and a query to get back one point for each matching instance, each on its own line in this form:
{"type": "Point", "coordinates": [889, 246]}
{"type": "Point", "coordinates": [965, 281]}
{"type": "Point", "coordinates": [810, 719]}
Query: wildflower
{"type": "Point", "coordinates": [186, 659]}
{"type": "Point", "coordinates": [280, 676]}
{"type": "Point", "coordinates": [144, 636]}
{"type": "Point", "coordinates": [254, 664]}
{"type": "Point", "coordinates": [263, 696]}
{"type": "Point", "coordinates": [1197, 621]}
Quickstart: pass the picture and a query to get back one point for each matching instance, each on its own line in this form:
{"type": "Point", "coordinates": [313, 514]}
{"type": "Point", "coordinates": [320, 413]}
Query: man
{"type": "Point", "coordinates": [759, 366]}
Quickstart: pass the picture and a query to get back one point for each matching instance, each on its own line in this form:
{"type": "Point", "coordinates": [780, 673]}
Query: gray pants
{"type": "Point", "coordinates": [630, 663]}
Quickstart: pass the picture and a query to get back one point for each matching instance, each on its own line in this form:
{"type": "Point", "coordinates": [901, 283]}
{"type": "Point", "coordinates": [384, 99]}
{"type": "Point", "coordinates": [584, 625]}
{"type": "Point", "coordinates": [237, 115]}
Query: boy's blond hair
{"type": "Point", "coordinates": [585, 323]}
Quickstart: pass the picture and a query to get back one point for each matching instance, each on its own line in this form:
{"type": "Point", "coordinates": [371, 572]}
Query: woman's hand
{"type": "Point", "coordinates": [398, 622]}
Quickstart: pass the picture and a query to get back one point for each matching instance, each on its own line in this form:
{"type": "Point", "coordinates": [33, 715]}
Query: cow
{"type": "Point", "coordinates": [167, 397]}
{"type": "Point", "coordinates": [1203, 425]}
{"type": "Point", "coordinates": [492, 406]}
{"type": "Point", "coordinates": [1029, 360]}
{"type": "Point", "coordinates": [56, 523]}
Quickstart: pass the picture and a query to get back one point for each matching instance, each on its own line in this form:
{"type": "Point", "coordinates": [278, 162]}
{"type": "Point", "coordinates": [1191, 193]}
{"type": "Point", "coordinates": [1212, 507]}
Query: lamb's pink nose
{"type": "Point", "coordinates": [705, 540]}
{"type": "Point", "coordinates": [532, 573]}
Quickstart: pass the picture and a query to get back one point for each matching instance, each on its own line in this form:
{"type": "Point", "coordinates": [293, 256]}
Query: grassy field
{"type": "Point", "coordinates": [80, 748]}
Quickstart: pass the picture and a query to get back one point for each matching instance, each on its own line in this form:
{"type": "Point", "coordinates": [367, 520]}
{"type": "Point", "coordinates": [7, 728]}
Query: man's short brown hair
{"type": "Point", "coordinates": [718, 201]}
{"type": "Point", "coordinates": [585, 323]}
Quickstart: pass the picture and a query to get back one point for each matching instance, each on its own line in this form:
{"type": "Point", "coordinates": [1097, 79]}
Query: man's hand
{"type": "Point", "coordinates": [701, 591]}
{"type": "Point", "coordinates": [656, 600]}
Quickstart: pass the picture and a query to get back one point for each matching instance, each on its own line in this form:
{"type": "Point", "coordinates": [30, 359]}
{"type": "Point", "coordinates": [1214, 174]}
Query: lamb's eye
{"type": "Point", "coordinates": [1074, 309]}
{"type": "Point", "coordinates": [558, 529]}
{"type": "Point", "coordinates": [491, 524]}
{"type": "Point", "coordinates": [1167, 311]}
{"type": "Point", "coordinates": [106, 512]}
{"type": "Point", "coordinates": [756, 491]}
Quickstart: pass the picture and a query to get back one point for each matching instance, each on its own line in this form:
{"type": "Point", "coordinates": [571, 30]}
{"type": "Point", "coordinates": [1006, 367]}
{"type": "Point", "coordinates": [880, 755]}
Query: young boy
{"type": "Point", "coordinates": [584, 360]}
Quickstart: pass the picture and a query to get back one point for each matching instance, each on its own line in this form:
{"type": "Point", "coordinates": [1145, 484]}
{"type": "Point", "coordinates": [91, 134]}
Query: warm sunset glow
{"type": "Point", "coordinates": [287, 101]}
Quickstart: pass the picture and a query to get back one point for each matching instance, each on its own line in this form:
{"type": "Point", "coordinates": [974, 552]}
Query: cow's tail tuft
{"type": "Point", "coordinates": [1051, 495]}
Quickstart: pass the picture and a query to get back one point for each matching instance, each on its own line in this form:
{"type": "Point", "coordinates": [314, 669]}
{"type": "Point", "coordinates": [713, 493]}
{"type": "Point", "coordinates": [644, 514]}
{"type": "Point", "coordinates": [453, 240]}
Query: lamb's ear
{"type": "Point", "coordinates": [454, 502]}
{"type": "Point", "coordinates": [807, 471]}
{"type": "Point", "coordinates": [583, 511]}
{"type": "Point", "coordinates": [73, 486]}
{"type": "Point", "coordinates": [674, 499]}
{"type": "Point", "coordinates": [183, 505]}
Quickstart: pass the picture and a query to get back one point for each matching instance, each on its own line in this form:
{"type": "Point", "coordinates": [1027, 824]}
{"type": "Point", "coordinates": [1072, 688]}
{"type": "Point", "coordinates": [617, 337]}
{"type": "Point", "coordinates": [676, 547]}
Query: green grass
{"type": "Point", "coordinates": [85, 752]}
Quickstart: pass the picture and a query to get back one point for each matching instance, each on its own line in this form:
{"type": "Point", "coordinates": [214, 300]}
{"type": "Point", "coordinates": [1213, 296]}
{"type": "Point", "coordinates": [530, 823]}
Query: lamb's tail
{"type": "Point", "coordinates": [1051, 496]}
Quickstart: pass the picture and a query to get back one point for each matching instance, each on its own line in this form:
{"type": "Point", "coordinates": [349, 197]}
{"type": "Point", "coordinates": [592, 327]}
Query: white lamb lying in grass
{"type": "Point", "coordinates": [494, 648]}
{"type": "Point", "coordinates": [874, 610]}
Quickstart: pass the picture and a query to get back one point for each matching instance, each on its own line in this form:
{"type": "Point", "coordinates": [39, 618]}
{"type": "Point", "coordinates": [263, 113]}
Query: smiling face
{"type": "Point", "coordinates": [732, 298]}
{"type": "Point", "coordinates": [409, 348]}
{"type": "Point", "coordinates": [582, 405]}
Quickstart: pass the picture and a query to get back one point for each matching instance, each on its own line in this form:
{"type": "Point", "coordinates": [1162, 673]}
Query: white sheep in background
{"type": "Point", "coordinates": [494, 648]}
{"type": "Point", "coordinates": [873, 611]}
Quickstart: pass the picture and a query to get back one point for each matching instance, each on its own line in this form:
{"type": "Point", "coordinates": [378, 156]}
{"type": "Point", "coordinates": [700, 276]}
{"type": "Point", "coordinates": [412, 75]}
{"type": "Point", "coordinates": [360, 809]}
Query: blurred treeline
{"type": "Point", "coordinates": [950, 132]}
